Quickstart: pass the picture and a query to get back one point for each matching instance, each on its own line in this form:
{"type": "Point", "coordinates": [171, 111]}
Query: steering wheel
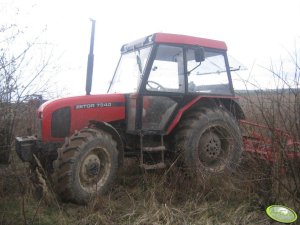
{"type": "Point", "coordinates": [159, 86]}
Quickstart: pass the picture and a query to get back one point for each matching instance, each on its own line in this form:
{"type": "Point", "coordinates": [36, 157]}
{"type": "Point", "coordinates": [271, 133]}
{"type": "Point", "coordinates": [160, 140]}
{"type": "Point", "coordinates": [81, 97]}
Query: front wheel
{"type": "Point", "coordinates": [210, 141]}
{"type": "Point", "coordinates": [86, 166]}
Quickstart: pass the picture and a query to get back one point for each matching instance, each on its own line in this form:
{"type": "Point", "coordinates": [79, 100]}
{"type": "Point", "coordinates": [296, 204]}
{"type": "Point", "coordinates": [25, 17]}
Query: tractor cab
{"type": "Point", "coordinates": [161, 73]}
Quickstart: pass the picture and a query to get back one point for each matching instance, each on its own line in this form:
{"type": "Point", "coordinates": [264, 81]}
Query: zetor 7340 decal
{"type": "Point", "coordinates": [170, 94]}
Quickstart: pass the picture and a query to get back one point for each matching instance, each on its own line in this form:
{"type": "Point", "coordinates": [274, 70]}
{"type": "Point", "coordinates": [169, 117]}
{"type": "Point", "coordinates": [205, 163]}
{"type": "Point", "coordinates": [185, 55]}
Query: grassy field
{"type": "Point", "coordinates": [165, 197]}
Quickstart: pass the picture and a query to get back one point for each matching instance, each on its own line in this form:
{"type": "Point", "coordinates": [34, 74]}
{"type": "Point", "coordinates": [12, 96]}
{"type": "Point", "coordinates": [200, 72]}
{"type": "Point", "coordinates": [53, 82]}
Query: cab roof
{"type": "Point", "coordinates": [174, 39]}
{"type": "Point", "coordinates": [188, 40]}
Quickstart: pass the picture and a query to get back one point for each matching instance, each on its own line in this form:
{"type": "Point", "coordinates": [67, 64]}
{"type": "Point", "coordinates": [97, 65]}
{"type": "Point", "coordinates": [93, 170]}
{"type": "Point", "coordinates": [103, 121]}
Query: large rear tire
{"type": "Point", "coordinates": [210, 141]}
{"type": "Point", "coordinates": [86, 166]}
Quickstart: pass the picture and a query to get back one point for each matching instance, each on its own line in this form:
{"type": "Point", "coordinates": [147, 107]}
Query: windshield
{"type": "Point", "coordinates": [129, 71]}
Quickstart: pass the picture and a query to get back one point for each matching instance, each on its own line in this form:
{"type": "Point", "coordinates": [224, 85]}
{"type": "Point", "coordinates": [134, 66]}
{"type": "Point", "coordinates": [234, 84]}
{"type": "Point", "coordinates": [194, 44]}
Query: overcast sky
{"type": "Point", "coordinates": [256, 31]}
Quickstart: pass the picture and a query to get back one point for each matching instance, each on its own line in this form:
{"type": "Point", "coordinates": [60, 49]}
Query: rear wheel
{"type": "Point", "coordinates": [86, 166]}
{"type": "Point", "coordinates": [210, 141]}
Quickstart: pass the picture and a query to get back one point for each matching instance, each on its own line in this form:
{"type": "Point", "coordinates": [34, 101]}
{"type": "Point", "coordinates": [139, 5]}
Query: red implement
{"type": "Point", "coordinates": [280, 143]}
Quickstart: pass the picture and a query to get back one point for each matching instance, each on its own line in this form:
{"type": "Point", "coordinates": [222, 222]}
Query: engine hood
{"type": "Point", "coordinates": [61, 117]}
{"type": "Point", "coordinates": [83, 102]}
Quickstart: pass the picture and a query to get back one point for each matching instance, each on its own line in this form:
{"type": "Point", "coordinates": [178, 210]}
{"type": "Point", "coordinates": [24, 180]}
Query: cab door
{"type": "Point", "coordinates": [163, 89]}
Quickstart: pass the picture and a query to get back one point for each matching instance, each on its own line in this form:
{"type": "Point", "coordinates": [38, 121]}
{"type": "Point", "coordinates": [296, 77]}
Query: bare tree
{"type": "Point", "coordinates": [279, 110]}
{"type": "Point", "coordinates": [21, 79]}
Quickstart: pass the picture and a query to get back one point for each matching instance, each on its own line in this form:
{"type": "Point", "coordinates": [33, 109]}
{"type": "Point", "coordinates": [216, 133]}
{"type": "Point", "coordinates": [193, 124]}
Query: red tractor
{"type": "Point", "coordinates": [171, 95]}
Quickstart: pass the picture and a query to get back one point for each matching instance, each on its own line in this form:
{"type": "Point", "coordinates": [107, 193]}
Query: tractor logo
{"type": "Point", "coordinates": [98, 105]}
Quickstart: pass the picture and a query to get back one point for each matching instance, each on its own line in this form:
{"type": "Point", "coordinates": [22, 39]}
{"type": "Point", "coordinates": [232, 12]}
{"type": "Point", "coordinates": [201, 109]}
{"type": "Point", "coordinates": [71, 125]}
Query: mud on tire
{"type": "Point", "coordinates": [209, 141]}
{"type": "Point", "coordinates": [86, 165]}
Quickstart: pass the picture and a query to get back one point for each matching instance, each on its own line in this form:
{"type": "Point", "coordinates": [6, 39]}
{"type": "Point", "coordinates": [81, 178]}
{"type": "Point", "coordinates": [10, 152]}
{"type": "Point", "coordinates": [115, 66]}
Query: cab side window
{"type": "Point", "coordinates": [167, 72]}
{"type": "Point", "coordinates": [209, 76]}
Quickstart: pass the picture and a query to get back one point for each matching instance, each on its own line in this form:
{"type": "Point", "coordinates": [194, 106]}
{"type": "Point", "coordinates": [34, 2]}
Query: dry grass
{"type": "Point", "coordinates": [138, 198]}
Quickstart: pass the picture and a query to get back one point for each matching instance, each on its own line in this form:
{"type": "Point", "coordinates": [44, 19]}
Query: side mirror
{"type": "Point", "coordinates": [199, 54]}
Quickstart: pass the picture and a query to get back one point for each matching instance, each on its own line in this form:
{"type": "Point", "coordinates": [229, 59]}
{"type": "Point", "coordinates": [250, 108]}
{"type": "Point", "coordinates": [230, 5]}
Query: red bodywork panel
{"type": "Point", "coordinates": [187, 106]}
{"type": "Point", "coordinates": [189, 40]}
{"type": "Point", "coordinates": [107, 108]}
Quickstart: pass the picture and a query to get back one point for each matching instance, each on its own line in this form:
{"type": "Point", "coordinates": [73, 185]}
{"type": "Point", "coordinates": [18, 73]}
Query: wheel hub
{"type": "Point", "coordinates": [91, 167]}
{"type": "Point", "coordinates": [210, 146]}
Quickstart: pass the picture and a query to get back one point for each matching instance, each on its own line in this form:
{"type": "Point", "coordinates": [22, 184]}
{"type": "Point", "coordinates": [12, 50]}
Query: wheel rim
{"type": "Point", "coordinates": [214, 148]}
{"type": "Point", "coordinates": [94, 170]}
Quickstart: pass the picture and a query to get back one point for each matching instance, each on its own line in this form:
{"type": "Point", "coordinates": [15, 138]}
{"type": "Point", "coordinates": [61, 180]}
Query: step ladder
{"type": "Point", "coordinates": [160, 163]}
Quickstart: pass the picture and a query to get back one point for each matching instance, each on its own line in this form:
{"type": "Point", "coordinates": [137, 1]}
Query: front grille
{"type": "Point", "coordinates": [60, 122]}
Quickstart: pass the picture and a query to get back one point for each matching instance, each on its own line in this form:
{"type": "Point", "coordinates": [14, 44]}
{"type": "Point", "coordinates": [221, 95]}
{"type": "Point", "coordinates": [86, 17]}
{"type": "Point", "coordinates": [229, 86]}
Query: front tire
{"type": "Point", "coordinates": [210, 141]}
{"type": "Point", "coordinates": [86, 166]}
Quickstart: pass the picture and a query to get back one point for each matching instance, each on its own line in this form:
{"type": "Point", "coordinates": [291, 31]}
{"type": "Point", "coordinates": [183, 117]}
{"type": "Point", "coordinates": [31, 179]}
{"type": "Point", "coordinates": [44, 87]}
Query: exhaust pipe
{"type": "Point", "coordinates": [90, 64]}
